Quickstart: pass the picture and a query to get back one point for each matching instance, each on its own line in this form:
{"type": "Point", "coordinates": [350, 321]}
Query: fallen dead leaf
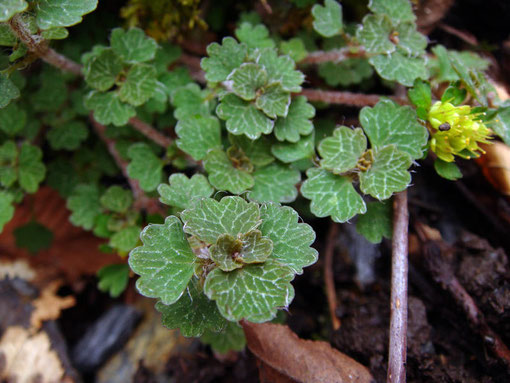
{"type": "Point", "coordinates": [49, 305]}
{"type": "Point", "coordinates": [291, 359]}
{"type": "Point", "coordinates": [495, 166]}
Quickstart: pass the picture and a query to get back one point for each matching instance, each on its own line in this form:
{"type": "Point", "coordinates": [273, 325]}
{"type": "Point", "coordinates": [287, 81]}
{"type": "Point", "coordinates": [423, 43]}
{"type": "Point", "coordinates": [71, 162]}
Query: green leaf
{"type": "Point", "coordinates": [139, 86]}
{"type": "Point", "coordinates": [247, 79]}
{"type": "Point", "coordinates": [55, 34]}
{"type": "Point", "coordinates": [223, 59]}
{"type": "Point", "coordinates": [292, 240]}
{"type": "Point", "coordinates": [230, 338]}
{"type": "Point", "coordinates": [410, 41]}
{"type": "Point", "coordinates": [340, 153]}
{"type": "Point", "coordinates": [396, 67]}
{"type": "Point", "coordinates": [223, 175]}
{"type": "Point", "coordinates": [175, 79]}
{"type": "Point", "coordinates": [281, 69]}
{"type": "Point", "coordinates": [53, 91]}
{"type": "Point", "coordinates": [62, 177]}
{"type": "Point", "coordinates": [33, 236]}
{"type": "Point", "coordinates": [269, 289]}
{"type": "Point", "coordinates": [388, 123]}
{"type": "Point", "coordinates": [125, 239]}
{"type": "Point", "coordinates": [243, 117]}
{"type": "Point", "coordinates": [397, 10]}
{"type": "Point", "coordinates": [208, 219]}
{"type": "Point", "coordinates": [190, 101]}
{"type": "Point", "coordinates": [31, 170]}
{"type": "Point", "coordinates": [290, 152]}
{"type": "Point", "coordinates": [8, 157]}
{"type": "Point", "coordinates": [6, 208]}
{"type": "Point", "coordinates": [133, 46]}
{"type": "Point", "coordinates": [165, 262]}
{"type": "Point", "coordinates": [377, 222]}
{"type": "Point", "coordinates": [332, 195]}
{"type": "Point", "coordinates": [454, 95]}
{"type": "Point", "coordinates": [68, 136]}
{"type": "Point", "coordinates": [258, 151]}
{"type": "Point", "coordinates": [231, 253]}
{"type": "Point", "coordinates": [117, 199]}
{"type": "Point", "coordinates": [101, 226]}
{"type": "Point", "coordinates": [62, 13]}
{"type": "Point", "coordinates": [8, 91]}
{"type": "Point", "coordinates": [12, 119]}
{"type": "Point", "coordinates": [447, 170]}
{"type": "Point", "coordinates": [346, 72]}
{"type": "Point", "coordinates": [421, 96]}
{"type": "Point", "coordinates": [144, 166]}
{"type": "Point", "coordinates": [7, 37]}
{"type": "Point", "coordinates": [254, 36]}
{"type": "Point", "coordinates": [374, 34]}
{"type": "Point", "coordinates": [327, 19]}
{"type": "Point", "coordinates": [501, 124]}
{"type": "Point", "coordinates": [166, 55]}
{"type": "Point", "coordinates": [443, 69]}
{"type": "Point", "coordinates": [192, 314]}
{"type": "Point", "coordinates": [84, 205]}
{"type": "Point", "coordinates": [275, 183]}
{"type": "Point", "coordinates": [9, 8]}
{"type": "Point", "coordinates": [108, 109]}
{"type": "Point", "coordinates": [295, 48]}
{"type": "Point", "coordinates": [197, 135]}
{"type": "Point", "coordinates": [113, 279]}
{"type": "Point", "coordinates": [274, 101]}
{"type": "Point", "coordinates": [388, 173]}
{"type": "Point", "coordinates": [181, 190]}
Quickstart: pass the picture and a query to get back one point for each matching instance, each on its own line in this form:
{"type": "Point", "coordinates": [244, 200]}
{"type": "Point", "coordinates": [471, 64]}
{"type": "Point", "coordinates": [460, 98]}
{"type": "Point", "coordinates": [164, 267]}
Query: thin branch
{"type": "Point", "coordinates": [335, 55]}
{"type": "Point", "coordinates": [347, 98]}
{"type": "Point", "coordinates": [329, 276]}
{"type": "Point", "coordinates": [151, 133]}
{"type": "Point", "coordinates": [399, 267]}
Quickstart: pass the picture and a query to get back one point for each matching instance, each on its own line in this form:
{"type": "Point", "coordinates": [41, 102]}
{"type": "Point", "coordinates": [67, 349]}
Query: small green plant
{"type": "Point", "coordinates": [218, 247]}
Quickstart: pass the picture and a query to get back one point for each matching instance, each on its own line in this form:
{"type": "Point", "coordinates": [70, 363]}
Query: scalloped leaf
{"type": "Point", "coordinates": [181, 190]}
{"type": "Point", "coordinates": [243, 117]}
{"type": "Point", "coordinates": [68, 136]}
{"type": "Point", "coordinates": [31, 170]}
{"type": "Point", "coordinates": [117, 199]}
{"type": "Point", "coordinates": [280, 69]}
{"type": "Point", "coordinates": [396, 10]}
{"type": "Point", "coordinates": [108, 109]}
{"type": "Point", "coordinates": [399, 68]}
{"type": "Point", "coordinates": [133, 46]}
{"type": "Point", "coordinates": [101, 70]}
{"type": "Point", "coordinates": [8, 157]}
{"type": "Point", "coordinates": [6, 208]}
{"type": "Point", "coordinates": [223, 175]}
{"type": "Point", "coordinates": [289, 152]}
{"type": "Point", "coordinates": [125, 239]}
{"type": "Point", "coordinates": [374, 34]}
{"type": "Point", "coordinates": [247, 79]}
{"type": "Point", "coordinates": [346, 72]}
{"type": "Point", "coordinates": [297, 122]}
{"type": "Point", "coordinates": [327, 19]}
{"type": "Point", "coordinates": [258, 151]}
{"type": "Point", "coordinates": [62, 13]}
{"type": "Point", "coordinates": [275, 183]}
{"type": "Point", "coordinates": [12, 119]}
{"type": "Point", "coordinates": [340, 153]}
{"type": "Point", "coordinates": [113, 279]}
{"type": "Point", "coordinates": [377, 222]}
{"type": "Point", "coordinates": [223, 59]}
{"type": "Point", "coordinates": [230, 338]}
{"type": "Point", "coordinates": [9, 8]}
{"type": "Point", "coordinates": [165, 262]}
{"type": "Point", "coordinates": [139, 86]}
{"type": "Point", "coordinates": [332, 195]}
{"type": "Point", "coordinates": [208, 219]}
{"type": "Point", "coordinates": [292, 240]}
{"type": "Point", "coordinates": [8, 90]}
{"type": "Point", "coordinates": [84, 205]}
{"type": "Point", "coordinates": [274, 101]}
{"type": "Point", "coordinates": [269, 290]}
{"type": "Point", "coordinates": [295, 48]}
{"type": "Point", "coordinates": [144, 166]}
{"type": "Point", "coordinates": [388, 123]}
{"type": "Point", "coordinates": [410, 41]}
{"type": "Point", "coordinates": [254, 36]}
{"type": "Point", "coordinates": [388, 173]}
{"type": "Point", "coordinates": [192, 314]}
{"type": "Point", "coordinates": [7, 37]}
{"type": "Point", "coordinates": [191, 100]}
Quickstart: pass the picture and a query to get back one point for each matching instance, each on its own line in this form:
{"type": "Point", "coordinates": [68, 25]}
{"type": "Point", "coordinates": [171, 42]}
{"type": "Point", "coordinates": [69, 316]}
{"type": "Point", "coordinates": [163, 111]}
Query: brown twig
{"type": "Point", "coordinates": [151, 133]}
{"type": "Point", "coordinates": [399, 268]}
{"type": "Point", "coordinates": [441, 270]}
{"type": "Point", "coordinates": [335, 55]}
{"type": "Point", "coordinates": [329, 276]}
{"type": "Point", "coordinates": [347, 98]}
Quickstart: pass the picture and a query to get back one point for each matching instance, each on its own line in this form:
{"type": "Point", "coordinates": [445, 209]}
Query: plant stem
{"type": "Point", "coordinates": [347, 98]}
{"type": "Point", "coordinates": [399, 267]}
{"type": "Point", "coordinates": [151, 133]}
{"type": "Point", "coordinates": [329, 278]}
{"type": "Point", "coordinates": [335, 55]}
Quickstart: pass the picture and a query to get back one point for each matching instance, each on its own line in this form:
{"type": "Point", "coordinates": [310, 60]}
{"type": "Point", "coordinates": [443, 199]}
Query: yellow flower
{"type": "Point", "coordinates": [456, 131]}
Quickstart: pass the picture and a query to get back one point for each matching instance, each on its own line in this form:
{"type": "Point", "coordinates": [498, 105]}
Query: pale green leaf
{"type": "Point", "coordinates": [396, 10]}
{"type": "Point", "coordinates": [190, 101]}
{"type": "Point", "coordinates": [223, 59]}
{"type": "Point", "coordinates": [8, 157]}
{"type": "Point", "coordinates": [84, 205]}
{"type": "Point", "coordinates": [144, 166]}
{"type": "Point", "coordinates": [113, 279]}
{"type": "Point", "coordinates": [197, 134]}
{"type": "Point", "coordinates": [230, 338]}
{"type": "Point", "coordinates": [125, 239]}
{"type": "Point", "coordinates": [165, 262]}
{"type": "Point", "coordinates": [223, 175]}
{"type": "Point", "coordinates": [8, 90]}
{"type": "Point", "coordinates": [295, 48]}
{"type": "Point", "coordinates": [340, 153]}
{"type": "Point", "coordinates": [290, 152]}
{"type": "Point", "coordinates": [399, 68]}
{"type": "Point", "coordinates": [181, 190]}
{"type": "Point", "coordinates": [332, 195]}
{"type": "Point", "coordinates": [275, 183]}
{"type": "Point", "coordinates": [410, 41]}
{"type": "Point", "coordinates": [33, 236]}
{"type": "Point", "coordinates": [139, 86]}
{"type": "Point", "coordinates": [274, 101]}
{"type": "Point", "coordinates": [133, 46]}
{"type": "Point", "coordinates": [55, 34]}
{"type": "Point", "coordinates": [421, 96]}
{"type": "Point", "coordinates": [501, 124]}
{"type": "Point", "coordinates": [254, 36]}
{"type": "Point", "coordinates": [281, 69]}
{"type": "Point", "coordinates": [193, 313]}
{"type": "Point", "coordinates": [68, 136]}
{"type": "Point", "coordinates": [388, 173]}
{"type": "Point", "coordinates": [208, 218]}
{"type": "Point", "coordinates": [9, 8]}
{"type": "Point", "coordinates": [375, 33]}
{"type": "Point", "coordinates": [377, 222]}
{"type": "Point", "coordinates": [346, 72]}
{"type": "Point", "coordinates": [447, 170]}
{"type": "Point", "coordinates": [269, 289]}
{"type": "Point", "coordinates": [388, 123]}
{"type": "Point", "coordinates": [6, 208]}
{"type": "Point", "coordinates": [62, 13]}
{"type": "Point", "coordinates": [328, 18]}
{"type": "Point", "coordinates": [108, 109]}
{"type": "Point", "coordinates": [117, 199]}
{"type": "Point", "coordinates": [443, 68]}
{"type": "Point", "coordinates": [247, 79]}
{"type": "Point", "coordinates": [12, 119]}
{"type": "Point", "coordinates": [31, 170]}
{"type": "Point", "coordinates": [243, 117]}
{"type": "Point", "coordinates": [292, 239]}
{"type": "Point", "coordinates": [175, 79]}
{"type": "Point", "coordinates": [7, 37]}
{"type": "Point", "coordinates": [258, 151]}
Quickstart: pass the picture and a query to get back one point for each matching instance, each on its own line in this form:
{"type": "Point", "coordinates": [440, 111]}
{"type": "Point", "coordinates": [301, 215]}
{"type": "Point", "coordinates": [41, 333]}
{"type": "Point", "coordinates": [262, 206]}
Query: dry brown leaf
{"type": "Point", "coordinates": [49, 305]}
{"type": "Point", "coordinates": [26, 358]}
{"type": "Point", "coordinates": [299, 360]}
{"type": "Point", "coordinates": [495, 166]}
